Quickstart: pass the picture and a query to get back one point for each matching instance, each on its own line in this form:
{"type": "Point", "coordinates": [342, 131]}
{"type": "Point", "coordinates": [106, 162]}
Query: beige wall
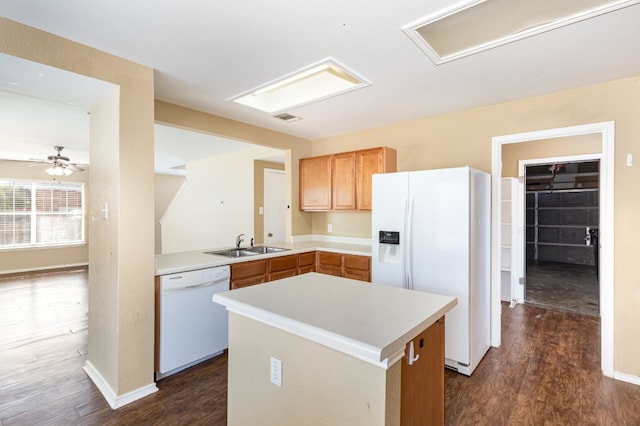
{"type": "Point", "coordinates": [320, 386]}
{"type": "Point", "coordinates": [121, 261]}
{"type": "Point", "coordinates": [464, 138]}
{"type": "Point", "coordinates": [31, 259]}
{"type": "Point", "coordinates": [548, 148]}
{"type": "Point", "coordinates": [294, 147]}
{"type": "Point", "coordinates": [216, 204]}
{"type": "Point", "coordinates": [258, 196]}
{"type": "Point", "coordinates": [167, 186]}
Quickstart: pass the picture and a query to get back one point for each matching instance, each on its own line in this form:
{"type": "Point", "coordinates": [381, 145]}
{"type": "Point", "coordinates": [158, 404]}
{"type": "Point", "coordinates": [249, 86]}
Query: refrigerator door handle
{"type": "Point", "coordinates": [408, 238]}
{"type": "Point", "coordinates": [403, 242]}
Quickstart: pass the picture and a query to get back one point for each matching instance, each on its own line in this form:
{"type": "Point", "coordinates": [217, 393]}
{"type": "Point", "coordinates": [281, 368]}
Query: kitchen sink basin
{"type": "Point", "coordinates": [265, 249]}
{"type": "Point", "coordinates": [233, 252]}
{"type": "Point", "coordinates": [246, 251]}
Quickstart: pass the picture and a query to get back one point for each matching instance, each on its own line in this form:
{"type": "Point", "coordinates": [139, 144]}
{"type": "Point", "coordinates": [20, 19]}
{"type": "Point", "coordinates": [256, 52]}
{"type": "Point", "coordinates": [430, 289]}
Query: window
{"type": "Point", "coordinates": [40, 213]}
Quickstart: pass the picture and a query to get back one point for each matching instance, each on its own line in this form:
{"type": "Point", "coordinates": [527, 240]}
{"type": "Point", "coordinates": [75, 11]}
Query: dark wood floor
{"type": "Point", "coordinates": [546, 372]}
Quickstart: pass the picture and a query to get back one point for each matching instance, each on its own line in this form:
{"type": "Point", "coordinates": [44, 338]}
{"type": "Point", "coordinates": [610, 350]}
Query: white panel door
{"type": "Point", "coordinates": [274, 206]}
{"type": "Point", "coordinates": [389, 203]}
{"type": "Point", "coordinates": [440, 247]}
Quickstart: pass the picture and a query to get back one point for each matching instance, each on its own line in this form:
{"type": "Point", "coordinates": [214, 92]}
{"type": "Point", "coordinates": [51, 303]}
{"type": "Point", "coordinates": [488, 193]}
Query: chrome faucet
{"type": "Point", "coordinates": [239, 240]}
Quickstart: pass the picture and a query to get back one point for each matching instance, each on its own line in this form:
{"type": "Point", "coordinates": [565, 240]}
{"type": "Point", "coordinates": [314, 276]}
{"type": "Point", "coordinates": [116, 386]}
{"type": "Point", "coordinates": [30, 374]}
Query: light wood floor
{"type": "Point", "coordinates": [546, 372]}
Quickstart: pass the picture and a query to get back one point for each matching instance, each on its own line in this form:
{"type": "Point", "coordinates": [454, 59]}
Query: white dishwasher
{"type": "Point", "coordinates": [192, 328]}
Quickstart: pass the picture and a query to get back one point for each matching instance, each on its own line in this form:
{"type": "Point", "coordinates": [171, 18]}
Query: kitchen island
{"type": "Point", "coordinates": [316, 349]}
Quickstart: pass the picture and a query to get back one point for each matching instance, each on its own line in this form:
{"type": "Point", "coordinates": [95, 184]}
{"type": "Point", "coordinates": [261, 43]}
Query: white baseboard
{"type": "Point", "coordinates": [331, 239]}
{"type": "Point", "coordinates": [629, 378]}
{"type": "Point", "coordinates": [116, 401]}
{"type": "Point", "coordinates": [43, 268]}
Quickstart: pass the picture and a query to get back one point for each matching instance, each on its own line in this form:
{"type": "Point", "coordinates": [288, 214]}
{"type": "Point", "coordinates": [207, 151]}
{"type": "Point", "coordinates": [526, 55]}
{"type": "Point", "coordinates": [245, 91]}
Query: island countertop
{"type": "Point", "coordinates": [367, 321]}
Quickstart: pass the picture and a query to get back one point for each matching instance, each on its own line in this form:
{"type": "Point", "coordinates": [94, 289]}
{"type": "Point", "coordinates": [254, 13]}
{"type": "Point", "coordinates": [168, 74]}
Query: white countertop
{"type": "Point", "coordinates": [172, 263]}
{"type": "Point", "coordinates": [367, 321]}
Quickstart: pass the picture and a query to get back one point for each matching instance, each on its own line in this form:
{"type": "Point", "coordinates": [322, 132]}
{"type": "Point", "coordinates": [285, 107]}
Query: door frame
{"type": "Point", "coordinates": [518, 291]}
{"type": "Point", "coordinates": [607, 133]}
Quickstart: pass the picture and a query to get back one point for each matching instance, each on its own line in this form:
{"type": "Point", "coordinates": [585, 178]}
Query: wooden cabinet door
{"type": "Point", "coordinates": [343, 169]}
{"type": "Point", "coordinates": [329, 263]}
{"type": "Point", "coordinates": [368, 162]}
{"type": "Point", "coordinates": [248, 273]}
{"type": "Point", "coordinates": [283, 267]}
{"type": "Point", "coordinates": [248, 281]}
{"type": "Point", "coordinates": [306, 262]}
{"type": "Point", "coordinates": [356, 267]}
{"type": "Point", "coordinates": [422, 384]}
{"type": "Point", "coordinates": [315, 183]}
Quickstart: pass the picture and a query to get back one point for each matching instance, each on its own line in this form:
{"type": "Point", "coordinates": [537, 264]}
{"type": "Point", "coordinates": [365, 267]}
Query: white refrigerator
{"type": "Point", "coordinates": [431, 232]}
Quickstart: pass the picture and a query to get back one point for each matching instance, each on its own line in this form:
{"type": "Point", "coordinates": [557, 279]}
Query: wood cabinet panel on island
{"type": "Point", "coordinates": [342, 181]}
{"type": "Point", "coordinates": [422, 391]}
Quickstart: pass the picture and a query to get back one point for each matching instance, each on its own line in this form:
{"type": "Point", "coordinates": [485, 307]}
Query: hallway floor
{"type": "Point", "coordinates": [563, 286]}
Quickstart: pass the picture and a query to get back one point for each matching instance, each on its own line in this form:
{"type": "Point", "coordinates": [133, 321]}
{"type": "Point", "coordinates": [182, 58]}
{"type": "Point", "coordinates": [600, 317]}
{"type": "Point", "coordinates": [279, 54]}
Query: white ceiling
{"type": "Point", "coordinates": [205, 52]}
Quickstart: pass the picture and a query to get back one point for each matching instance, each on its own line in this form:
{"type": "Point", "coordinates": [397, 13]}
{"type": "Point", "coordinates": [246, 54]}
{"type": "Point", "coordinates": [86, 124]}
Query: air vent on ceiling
{"type": "Point", "coordinates": [287, 117]}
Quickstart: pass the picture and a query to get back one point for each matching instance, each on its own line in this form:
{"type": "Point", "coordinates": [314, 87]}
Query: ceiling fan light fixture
{"type": "Point", "coordinates": [54, 171]}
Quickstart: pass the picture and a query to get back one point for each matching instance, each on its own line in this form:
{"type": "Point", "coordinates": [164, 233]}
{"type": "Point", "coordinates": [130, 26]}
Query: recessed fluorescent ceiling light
{"type": "Point", "coordinates": [475, 26]}
{"type": "Point", "coordinates": [311, 84]}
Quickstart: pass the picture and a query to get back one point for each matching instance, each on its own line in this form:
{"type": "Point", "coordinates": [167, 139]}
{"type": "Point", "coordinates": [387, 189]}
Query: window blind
{"type": "Point", "coordinates": [40, 213]}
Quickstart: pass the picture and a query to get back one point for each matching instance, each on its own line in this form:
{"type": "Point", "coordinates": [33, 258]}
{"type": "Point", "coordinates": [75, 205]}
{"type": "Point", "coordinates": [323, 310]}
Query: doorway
{"type": "Point", "coordinates": [605, 134]}
{"type": "Point", "coordinates": [274, 206]}
{"type": "Point", "coordinates": [561, 221]}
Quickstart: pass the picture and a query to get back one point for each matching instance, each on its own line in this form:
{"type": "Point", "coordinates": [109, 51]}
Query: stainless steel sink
{"type": "Point", "coordinates": [232, 252]}
{"type": "Point", "coordinates": [266, 249]}
{"type": "Point", "coordinates": [246, 251]}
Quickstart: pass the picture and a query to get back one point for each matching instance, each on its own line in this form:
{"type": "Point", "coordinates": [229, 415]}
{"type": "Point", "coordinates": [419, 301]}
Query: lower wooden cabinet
{"type": "Point", "coordinates": [344, 265]}
{"type": "Point", "coordinates": [306, 262]}
{"type": "Point", "coordinates": [422, 383]}
{"type": "Point", "coordinates": [253, 272]}
{"type": "Point", "coordinates": [244, 274]}
{"type": "Point", "coordinates": [329, 263]}
{"type": "Point", "coordinates": [283, 267]}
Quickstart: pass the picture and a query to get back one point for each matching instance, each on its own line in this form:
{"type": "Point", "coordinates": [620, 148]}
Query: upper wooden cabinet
{"type": "Point", "coordinates": [315, 183]}
{"type": "Point", "coordinates": [368, 162]}
{"type": "Point", "coordinates": [342, 181]}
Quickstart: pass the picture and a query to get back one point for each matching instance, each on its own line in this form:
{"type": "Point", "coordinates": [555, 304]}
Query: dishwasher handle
{"type": "Point", "coordinates": [209, 284]}
{"type": "Point", "coordinates": [223, 280]}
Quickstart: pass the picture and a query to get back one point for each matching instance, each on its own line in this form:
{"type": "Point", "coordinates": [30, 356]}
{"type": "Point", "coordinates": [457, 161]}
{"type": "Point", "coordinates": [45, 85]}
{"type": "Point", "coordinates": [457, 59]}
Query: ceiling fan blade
{"type": "Point", "coordinates": [74, 167]}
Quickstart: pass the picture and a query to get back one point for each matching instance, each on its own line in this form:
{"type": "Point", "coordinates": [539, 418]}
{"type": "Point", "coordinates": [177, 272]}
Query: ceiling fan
{"type": "Point", "coordinates": [61, 165]}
